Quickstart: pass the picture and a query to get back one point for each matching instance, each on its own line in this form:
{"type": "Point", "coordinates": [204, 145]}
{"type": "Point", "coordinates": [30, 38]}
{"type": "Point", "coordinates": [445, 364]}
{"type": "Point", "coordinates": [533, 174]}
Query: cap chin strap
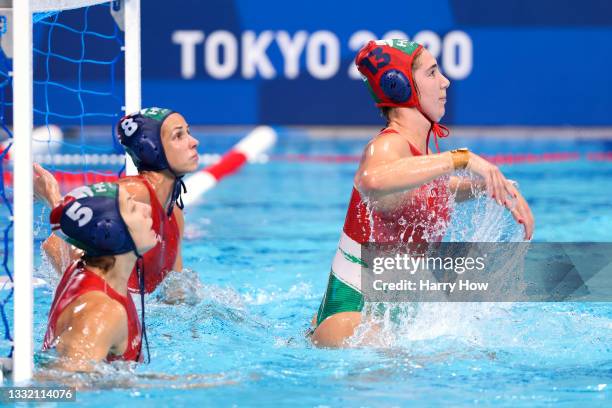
{"type": "Point", "coordinates": [438, 131]}
{"type": "Point", "coordinates": [141, 284]}
{"type": "Point", "coordinates": [178, 188]}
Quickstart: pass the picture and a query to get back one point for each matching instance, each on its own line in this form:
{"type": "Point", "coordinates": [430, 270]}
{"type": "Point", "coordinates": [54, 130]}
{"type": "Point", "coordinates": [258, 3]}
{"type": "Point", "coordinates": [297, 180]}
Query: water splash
{"type": "Point", "coordinates": [481, 219]}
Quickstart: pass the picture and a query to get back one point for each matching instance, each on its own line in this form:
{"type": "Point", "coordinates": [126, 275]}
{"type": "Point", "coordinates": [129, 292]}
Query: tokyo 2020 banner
{"type": "Point", "coordinates": [537, 62]}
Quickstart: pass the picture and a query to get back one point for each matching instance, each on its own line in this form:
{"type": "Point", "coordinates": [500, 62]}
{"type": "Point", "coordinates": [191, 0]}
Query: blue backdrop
{"type": "Point", "coordinates": [538, 62]}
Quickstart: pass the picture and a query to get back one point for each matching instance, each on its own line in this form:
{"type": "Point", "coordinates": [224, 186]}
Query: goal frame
{"type": "Point", "coordinates": [128, 12]}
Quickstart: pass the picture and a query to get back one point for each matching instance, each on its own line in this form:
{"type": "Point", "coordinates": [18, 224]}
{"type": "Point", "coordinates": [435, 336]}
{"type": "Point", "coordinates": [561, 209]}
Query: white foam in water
{"type": "Point", "coordinates": [260, 297]}
{"type": "Point", "coordinates": [185, 287]}
{"type": "Point", "coordinates": [123, 375]}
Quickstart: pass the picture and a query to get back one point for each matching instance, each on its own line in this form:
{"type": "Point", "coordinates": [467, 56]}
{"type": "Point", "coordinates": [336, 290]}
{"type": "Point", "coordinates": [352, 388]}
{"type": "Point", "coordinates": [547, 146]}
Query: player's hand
{"type": "Point", "coordinates": [496, 184]}
{"type": "Point", "coordinates": [522, 213]}
{"type": "Point", "coordinates": [46, 187]}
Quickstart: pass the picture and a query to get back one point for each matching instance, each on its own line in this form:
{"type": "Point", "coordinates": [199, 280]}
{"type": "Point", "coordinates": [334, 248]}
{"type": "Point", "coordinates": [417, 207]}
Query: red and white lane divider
{"type": "Point", "coordinates": [603, 156]}
{"type": "Point", "coordinates": [248, 149]}
{"type": "Point", "coordinates": [102, 159]}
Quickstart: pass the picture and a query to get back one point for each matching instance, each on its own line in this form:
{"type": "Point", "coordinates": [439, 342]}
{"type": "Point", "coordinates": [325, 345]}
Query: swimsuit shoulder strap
{"type": "Point", "coordinates": [387, 130]}
{"type": "Point", "coordinates": [413, 149]}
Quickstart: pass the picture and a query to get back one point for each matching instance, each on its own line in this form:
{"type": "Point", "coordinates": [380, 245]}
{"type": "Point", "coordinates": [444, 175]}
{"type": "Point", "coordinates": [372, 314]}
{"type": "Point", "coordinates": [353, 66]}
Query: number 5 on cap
{"type": "Point", "coordinates": [78, 213]}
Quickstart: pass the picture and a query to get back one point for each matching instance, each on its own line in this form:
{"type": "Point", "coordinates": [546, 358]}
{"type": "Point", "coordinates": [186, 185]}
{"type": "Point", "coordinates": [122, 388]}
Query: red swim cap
{"type": "Point", "coordinates": [386, 67]}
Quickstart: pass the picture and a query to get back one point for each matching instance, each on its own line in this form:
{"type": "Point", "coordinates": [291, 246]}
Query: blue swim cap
{"type": "Point", "coordinates": [140, 134]}
{"type": "Point", "coordinates": [89, 219]}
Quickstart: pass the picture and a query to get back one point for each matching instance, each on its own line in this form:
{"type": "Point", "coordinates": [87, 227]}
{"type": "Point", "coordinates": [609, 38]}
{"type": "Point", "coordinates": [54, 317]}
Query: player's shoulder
{"type": "Point", "coordinates": [93, 308]}
{"type": "Point", "coordinates": [387, 144]}
{"type": "Point", "coordinates": [99, 304]}
{"type": "Point", "coordinates": [135, 186]}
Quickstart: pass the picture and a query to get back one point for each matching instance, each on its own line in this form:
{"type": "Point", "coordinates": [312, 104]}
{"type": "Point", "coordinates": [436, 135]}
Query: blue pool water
{"type": "Point", "coordinates": [260, 246]}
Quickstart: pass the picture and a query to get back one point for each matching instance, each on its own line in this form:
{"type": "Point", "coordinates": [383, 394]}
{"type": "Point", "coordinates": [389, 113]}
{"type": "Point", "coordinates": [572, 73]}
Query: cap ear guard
{"type": "Point", "coordinates": [395, 86]}
{"type": "Point", "coordinates": [108, 235]}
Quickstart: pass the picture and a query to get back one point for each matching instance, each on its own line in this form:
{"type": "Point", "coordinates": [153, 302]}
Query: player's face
{"type": "Point", "coordinates": [431, 85]}
{"type": "Point", "coordinates": [180, 147]}
{"type": "Point", "coordinates": [137, 217]}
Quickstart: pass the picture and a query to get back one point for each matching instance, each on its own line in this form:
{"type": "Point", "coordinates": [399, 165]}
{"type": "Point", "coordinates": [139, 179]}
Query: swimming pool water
{"type": "Point", "coordinates": [261, 246]}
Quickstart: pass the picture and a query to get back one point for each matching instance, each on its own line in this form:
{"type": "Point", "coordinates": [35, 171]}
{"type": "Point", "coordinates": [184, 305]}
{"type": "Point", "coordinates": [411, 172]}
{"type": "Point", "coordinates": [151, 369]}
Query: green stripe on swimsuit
{"type": "Point", "coordinates": [339, 297]}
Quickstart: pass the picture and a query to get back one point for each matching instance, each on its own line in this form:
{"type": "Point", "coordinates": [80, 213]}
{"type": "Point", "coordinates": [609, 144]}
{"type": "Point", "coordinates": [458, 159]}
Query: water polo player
{"type": "Point", "coordinates": [402, 193]}
{"type": "Point", "coordinates": [160, 144]}
{"type": "Point", "coordinates": [93, 317]}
